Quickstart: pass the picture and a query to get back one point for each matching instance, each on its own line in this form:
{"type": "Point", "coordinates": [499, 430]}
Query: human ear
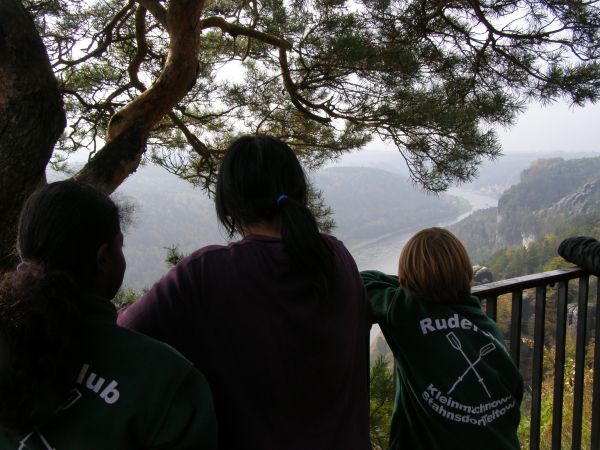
{"type": "Point", "coordinates": [103, 258]}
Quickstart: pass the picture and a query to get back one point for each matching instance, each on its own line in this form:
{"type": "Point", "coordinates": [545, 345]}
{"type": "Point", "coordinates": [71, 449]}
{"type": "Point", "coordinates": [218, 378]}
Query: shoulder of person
{"type": "Point", "coordinates": [204, 252]}
{"type": "Point", "coordinates": [332, 239]}
{"type": "Point", "coordinates": [336, 245]}
{"type": "Point", "coordinates": [198, 258]}
{"type": "Point", "coordinates": [384, 279]}
{"type": "Point", "coordinates": [142, 348]}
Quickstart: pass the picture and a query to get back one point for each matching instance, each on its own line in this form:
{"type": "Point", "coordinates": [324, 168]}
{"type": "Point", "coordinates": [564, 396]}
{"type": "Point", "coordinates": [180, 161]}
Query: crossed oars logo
{"type": "Point", "coordinates": [456, 345]}
{"type": "Point", "coordinates": [40, 436]}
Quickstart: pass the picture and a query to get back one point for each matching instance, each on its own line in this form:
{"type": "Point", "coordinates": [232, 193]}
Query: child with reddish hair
{"type": "Point", "coordinates": [456, 385]}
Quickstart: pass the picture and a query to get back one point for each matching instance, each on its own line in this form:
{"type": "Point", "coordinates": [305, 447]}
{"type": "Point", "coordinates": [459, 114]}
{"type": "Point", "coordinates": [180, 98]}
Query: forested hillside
{"type": "Point", "coordinates": [555, 198]}
{"type": "Point", "coordinates": [523, 209]}
{"type": "Point", "coordinates": [541, 255]}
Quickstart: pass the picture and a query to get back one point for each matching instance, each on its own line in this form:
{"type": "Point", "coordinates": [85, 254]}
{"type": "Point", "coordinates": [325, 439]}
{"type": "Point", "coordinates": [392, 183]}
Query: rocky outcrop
{"type": "Point", "coordinates": [585, 200]}
{"type": "Point", "coordinates": [551, 192]}
{"type": "Point", "coordinates": [547, 188]}
{"type": "Point", "coordinates": [481, 275]}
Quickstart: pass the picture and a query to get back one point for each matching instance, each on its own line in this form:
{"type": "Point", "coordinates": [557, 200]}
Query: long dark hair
{"type": "Point", "coordinates": [261, 181]}
{"type": "Point", "coordinates": [61, 228]}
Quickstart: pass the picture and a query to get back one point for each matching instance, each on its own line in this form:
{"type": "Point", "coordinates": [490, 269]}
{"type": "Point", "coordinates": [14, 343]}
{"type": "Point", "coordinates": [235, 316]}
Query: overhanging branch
{"type": "Point", "coordinates": [199, 147]}
{"type": "Point", "coordinates": [291, 88]}
{"type": "Point", "coordinates": [142, 48]}
{"type": "Point", "coordinates": [235, 29]}
{"type": "Point", "coordinates": [105, 41]}
{"type": "Point", "coordinates": [156, 9]}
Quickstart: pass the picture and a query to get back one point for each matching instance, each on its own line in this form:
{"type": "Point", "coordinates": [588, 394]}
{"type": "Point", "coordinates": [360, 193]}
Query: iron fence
{"type": "Point", "coordinates": [587, 335]}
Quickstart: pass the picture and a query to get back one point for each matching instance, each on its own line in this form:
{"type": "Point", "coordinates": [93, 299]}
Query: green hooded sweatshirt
{"type": "Point", "coordinates": [456, 385]}
{"type": "Point", "coordinates": [132, 392]}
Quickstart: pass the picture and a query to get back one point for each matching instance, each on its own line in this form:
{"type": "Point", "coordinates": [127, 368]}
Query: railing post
{"type": "Point", "coordinates": [559, 364]}
{"type": "Point", "coordinates": [579, 362]}
{"type": "Point", "coordinates": [491, 307]}
{"type": "Point", "coordinates": [516, 311]}
{"type": "Point", "coordinates": [538, 362]}
{"type": "Point", "coordinates": [596, 383]}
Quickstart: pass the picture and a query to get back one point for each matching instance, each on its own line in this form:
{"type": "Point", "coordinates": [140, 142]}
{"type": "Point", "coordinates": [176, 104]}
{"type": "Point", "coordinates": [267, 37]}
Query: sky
{"type": "Point", "coordinates": [553, 128]}
{"type": "Point", "coordinates": [556, 127]}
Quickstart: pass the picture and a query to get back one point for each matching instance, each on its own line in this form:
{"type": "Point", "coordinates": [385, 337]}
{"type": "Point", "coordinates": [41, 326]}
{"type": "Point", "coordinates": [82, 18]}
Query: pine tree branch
{"type": "Point", "coordinates": [234, 29]}
{"type": "Point", "coordinates": [156, 9]}
{"type": "Point", "coordinates": [106, 40]}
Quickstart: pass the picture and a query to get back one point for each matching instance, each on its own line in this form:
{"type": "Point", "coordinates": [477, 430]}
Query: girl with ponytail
{"type": "Point", "coordinates": [261, 184]}
{"type": "Point", "coordinates": [69, 376]}
{"type": "Point", "coordinates": [277, 320]}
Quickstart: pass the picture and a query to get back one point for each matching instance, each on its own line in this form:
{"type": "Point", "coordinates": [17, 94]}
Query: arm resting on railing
{"type": "Point", "coordinates": [582, 251]}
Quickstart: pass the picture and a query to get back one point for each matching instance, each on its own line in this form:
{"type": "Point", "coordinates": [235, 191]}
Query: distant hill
{"type": "Point", "coordinates": [160, 210]}
{"type": "Point", "coordinates": [545, 183]}
{"type": "Point", "coordinates": [166, 212]}
{"type": "Point", "coordinates": [493, 177]}
{"type": "Point", "coordinates": [369, 203]}
{"type": "Point", "coordinates": [478, 234]}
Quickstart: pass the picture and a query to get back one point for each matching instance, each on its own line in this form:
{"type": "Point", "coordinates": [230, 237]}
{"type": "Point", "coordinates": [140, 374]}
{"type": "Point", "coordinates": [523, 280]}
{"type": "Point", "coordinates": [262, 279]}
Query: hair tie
{"type": "Point", "coordinates": [281, 198]}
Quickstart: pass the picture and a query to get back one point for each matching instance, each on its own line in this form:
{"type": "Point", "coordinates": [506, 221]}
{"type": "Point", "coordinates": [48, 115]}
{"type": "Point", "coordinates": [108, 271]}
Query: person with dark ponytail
{"type": "Point", "coordinates": [277, 320]}
{"type": "Point", "coordinates": [70, 378]}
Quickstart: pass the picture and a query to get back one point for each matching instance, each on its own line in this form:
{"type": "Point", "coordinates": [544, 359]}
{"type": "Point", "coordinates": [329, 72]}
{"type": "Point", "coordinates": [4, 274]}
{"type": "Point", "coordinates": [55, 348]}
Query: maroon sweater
{"type": "Point", "coordinates": [287, 370]}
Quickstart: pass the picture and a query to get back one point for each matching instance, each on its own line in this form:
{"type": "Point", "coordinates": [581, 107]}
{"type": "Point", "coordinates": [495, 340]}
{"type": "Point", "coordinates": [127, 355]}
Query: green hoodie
{"type": "Point", "coordinates": [456, 385]}
{"type": "Point", "coordinates": [132, 392]}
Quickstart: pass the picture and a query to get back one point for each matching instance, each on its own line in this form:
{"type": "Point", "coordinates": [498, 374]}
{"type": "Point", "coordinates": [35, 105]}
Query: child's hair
{"type": "Point", "coordinates": [61, 228]}
{"type": "Point", "coordinates": [435, 266]}
{"type": "Point", "coordinates": [261, 181]}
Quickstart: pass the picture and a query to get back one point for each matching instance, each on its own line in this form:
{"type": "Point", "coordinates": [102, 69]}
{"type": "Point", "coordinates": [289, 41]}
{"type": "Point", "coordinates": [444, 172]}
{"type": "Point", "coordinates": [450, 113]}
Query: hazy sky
{"type": "Point", "coordinates": [556, 127]}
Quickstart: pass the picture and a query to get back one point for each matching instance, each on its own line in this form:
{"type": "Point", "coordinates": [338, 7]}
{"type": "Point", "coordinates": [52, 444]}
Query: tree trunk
{"type": "Point", "coordinates": [31, 119]}
{"type": "Point", "coordinates": [129, 128]}
{"type": "Point", "coordinates": [32, 116]}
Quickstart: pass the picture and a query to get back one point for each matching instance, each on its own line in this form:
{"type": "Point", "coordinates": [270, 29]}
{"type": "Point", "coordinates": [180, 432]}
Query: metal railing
{"type": "Point", "coordinates": [558, 281]}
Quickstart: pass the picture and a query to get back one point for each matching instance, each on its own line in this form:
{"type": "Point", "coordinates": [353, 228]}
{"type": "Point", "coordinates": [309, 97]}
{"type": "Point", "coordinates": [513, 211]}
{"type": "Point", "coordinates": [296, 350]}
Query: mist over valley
{"type": "Point", "coordinates": [376, 208]}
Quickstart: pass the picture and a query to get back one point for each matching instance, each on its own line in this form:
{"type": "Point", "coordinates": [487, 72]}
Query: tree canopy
{"type": "Point", "coordinates": [181, 77]}
{"type": "Point", "coordinates": [430, 76]}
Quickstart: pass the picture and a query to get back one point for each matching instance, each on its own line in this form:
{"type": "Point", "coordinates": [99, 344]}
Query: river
{"type": "Point", "coordinates": [383, 253]}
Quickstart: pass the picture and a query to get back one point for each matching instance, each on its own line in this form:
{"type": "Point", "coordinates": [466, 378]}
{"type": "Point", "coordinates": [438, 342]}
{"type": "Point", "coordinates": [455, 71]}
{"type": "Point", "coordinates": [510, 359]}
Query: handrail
{"type": "Point", "coordinates": [490, 292]}
{"type": "Point", "coordinates": [526, 282]}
